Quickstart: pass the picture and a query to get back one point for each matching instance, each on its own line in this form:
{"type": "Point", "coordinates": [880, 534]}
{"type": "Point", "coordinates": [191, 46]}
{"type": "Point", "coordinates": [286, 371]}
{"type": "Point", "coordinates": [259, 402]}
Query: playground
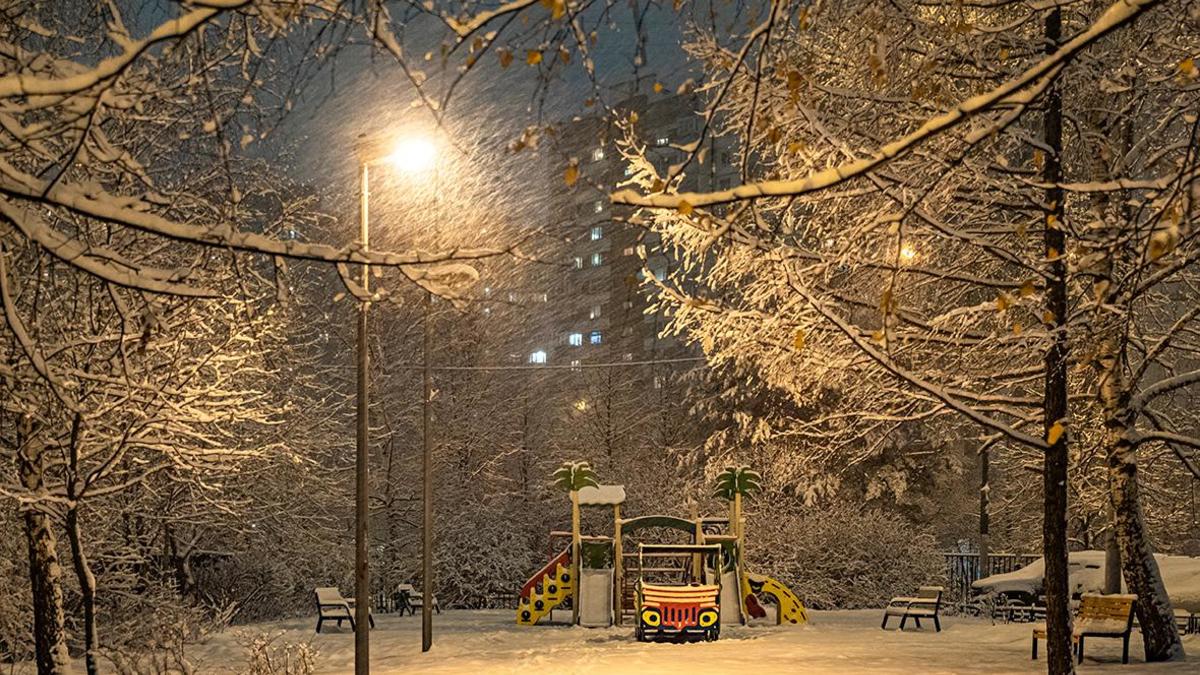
{"type": "Point", "coordinates": [682, 581]}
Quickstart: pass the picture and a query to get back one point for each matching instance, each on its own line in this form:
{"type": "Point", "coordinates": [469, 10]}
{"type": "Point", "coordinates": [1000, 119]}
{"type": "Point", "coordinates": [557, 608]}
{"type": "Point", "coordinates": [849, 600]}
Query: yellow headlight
{"type": "Point", "coordinates": [707, 618]}
{"type": "Point", "coordinates": [651, 617]}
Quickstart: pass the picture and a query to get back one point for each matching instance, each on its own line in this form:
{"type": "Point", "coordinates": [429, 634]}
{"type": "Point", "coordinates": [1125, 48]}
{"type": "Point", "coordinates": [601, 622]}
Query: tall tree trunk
{"type": "Point", "coordinates": [45, 577]}
{"type": "Point", "coordinates": [45, 573]}
{"type": "Point", "coordinates": [1059, 657]}
{"type": "Point", "coordinates": [1112, 556]}
{"type": "Point", "coordinates": [87, 589]}
{"type": "Point", "coordinates": [1156, 618]}
{"type": "Point", "coordinates": [576, 552]}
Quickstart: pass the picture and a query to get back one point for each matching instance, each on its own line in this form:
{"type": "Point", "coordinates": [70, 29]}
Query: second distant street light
{"type": "Point", "coordinates": [411, 155]}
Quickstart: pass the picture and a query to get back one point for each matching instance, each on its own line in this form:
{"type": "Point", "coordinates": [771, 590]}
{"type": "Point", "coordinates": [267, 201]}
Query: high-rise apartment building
{"type": "Point", "coordinates": [596, 308]}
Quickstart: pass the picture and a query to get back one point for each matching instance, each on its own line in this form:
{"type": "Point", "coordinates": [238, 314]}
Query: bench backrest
{"type": "Point", "coordinates": [329, 596]}
{"type": "Point", "coordinates": [930, 593]}
{"type": "Point", "coordinates": [1105, 613]}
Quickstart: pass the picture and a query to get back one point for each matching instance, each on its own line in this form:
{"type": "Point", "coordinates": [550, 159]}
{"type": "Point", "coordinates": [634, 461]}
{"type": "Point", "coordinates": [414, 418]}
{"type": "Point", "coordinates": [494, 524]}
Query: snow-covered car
{"type": "Point", "coordinates": [1181, 576]}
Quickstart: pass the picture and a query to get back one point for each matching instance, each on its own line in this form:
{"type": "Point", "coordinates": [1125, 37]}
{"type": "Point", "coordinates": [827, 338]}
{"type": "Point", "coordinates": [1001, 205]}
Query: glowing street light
{"type": "Point", "coordinates": [412, 155]}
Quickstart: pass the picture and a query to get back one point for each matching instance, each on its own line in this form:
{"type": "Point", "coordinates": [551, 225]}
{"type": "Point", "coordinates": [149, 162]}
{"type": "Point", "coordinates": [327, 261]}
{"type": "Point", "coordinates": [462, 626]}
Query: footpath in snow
{"type": "Point", "coordinates": [485, 642]}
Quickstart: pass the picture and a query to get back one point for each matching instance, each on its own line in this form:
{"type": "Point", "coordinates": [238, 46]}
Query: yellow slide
{"type": "Point", "coordinates": [547, 589]}
{"type": "Point", "coordinates": [791, 610]}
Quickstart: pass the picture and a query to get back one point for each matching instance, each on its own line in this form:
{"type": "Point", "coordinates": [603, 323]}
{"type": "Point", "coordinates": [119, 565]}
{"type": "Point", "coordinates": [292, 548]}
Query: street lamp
{"type": "Point", "coordinates": [412, 155]}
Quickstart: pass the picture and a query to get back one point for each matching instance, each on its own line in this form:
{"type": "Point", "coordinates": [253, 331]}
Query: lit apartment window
{"type": "Point", "coordinates": [629, 250]}
{"type": "Point", "coordinates": [628, 356]}
{"type": "Point", "coordinates": [487, 291]}
{"type": "Point", "coordinates": [662, 140]}
{"type": "Point", "coordinates": [575, 365]}
{"type": "Point", "coordinates": [544, 297]}
{"type": "Point", "coordinates": [597, 233]}
{"type": "Point", "coordinates": [658, 381]}
{"type": "Point", "coordinates": [575, 339]}
{"type": "Point", "coordinates": [595, 337]}
{"type": "Point", "coordinates": [581, 405]}
{"type": "Point", "coordinates": [487, 311]}
{"type": "Point", "coordinates": [578, 263]}
{"type": "Point", "coordinates": [597, 259]}
{"type": "Point", "coordinates": [598, 206]}
{"type": "Point", "coordinates": [538, 357]}
{"type": "Point", "coordinates": [595, 313]}
{"type": "Point", "coordinates": [597, 154]}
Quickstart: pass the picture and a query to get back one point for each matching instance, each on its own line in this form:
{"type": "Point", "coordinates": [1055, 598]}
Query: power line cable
{"type": "Point", "coordinates": [546, 366]}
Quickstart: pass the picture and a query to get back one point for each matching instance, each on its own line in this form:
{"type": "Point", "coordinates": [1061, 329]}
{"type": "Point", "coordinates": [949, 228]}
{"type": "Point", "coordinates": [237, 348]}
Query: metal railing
{"type": "Point", "coordinates": [963, 569]}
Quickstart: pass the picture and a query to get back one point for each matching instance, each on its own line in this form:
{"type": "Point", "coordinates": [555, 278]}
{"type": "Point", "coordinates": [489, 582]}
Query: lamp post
{"type": "Point", "coordinates": [362, 572]}
{"type": "Point", "coordinates": [410, 155]}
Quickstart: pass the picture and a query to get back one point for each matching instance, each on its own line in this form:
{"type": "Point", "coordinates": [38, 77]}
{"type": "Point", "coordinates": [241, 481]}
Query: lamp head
{"type": "Point", "coordinates": [413, 155]}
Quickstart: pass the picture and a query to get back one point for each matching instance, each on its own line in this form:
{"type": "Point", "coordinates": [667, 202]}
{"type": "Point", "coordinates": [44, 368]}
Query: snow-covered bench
{"type": "Point", "coordinates": [926, 605]}
{"type": "Point", "coordinates": [412, 599]}
{"type": "Point", "coordinates": [1109, 616]}
{"type": "Point", "coordinates": [331, 605]}
{"type": "Point", "coordinates": [1187, 622]}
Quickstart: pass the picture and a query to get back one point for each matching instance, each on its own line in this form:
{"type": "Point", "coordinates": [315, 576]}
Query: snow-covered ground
{"type": "Point", "coordinates": [485, 642]}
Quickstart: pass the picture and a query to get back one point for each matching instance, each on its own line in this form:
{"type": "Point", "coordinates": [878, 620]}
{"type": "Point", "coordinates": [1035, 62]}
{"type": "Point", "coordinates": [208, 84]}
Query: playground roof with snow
{"type": "Point", "coordinates": [603, 495]}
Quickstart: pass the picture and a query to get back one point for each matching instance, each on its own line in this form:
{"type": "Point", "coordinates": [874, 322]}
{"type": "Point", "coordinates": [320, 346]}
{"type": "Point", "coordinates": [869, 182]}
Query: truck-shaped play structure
{"type": "Point", "coordinates": [681, 612]}
{"type": "Point", "coordinates": [615, 586]}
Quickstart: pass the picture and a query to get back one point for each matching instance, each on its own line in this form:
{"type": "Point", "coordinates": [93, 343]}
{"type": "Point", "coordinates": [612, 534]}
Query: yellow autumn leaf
{"type": "Point", "coordinates": [1052, 221]}
{"type": "Point", "coordinates": [1004, 53]}
{"type": "Point", "coordinates": [633, 117]}
{"type": "Point", "coordinates": [1038, 158]}
{"type": "Point", "coordinates": [1016, 327]}
{"type": "Point", "coordinates": [557, 9]}
{"type": "Point", "coordinates": [658, 87]}
{"type": "Point", "coordinates": [878, 336]}
{"type": "Point", "coordinates": [1048, 318]}
{"type": "Point", "coordinates": [1187, 67]}
{"type": "Point", "coordinates": [1053, 254]}
{"type": "Point", "coordinates": [564, 55]}
{"type": "Point", "coordinates": [1003, 302]}
{"type": "Point", "coordinates": [571, 175]}
{"type": "Point", "coordinates": [506, 57]}
{"type": "Point", "coordinates": [1027, 289]}
{"type": "Point", "coordinates": [798, 340]}
{"type": "Point", "coordinates": [1055, 433]}
{"type": "Point", "coordinates": [685, 208]}
{"type": "Point", "coordinates": [533, 57]}
{"type": "Point", "coordinates": [795, 147]}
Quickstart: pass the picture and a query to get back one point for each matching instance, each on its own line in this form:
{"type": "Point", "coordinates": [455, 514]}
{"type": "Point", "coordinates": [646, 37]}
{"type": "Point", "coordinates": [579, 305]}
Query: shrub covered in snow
{"type": "Point", "coordinates": [840, 556]}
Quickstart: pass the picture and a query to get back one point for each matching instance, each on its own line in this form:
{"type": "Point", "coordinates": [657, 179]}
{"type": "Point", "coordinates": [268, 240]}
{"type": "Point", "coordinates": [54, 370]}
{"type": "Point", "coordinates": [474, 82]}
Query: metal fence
{"type": "Point", "coordinates": [963, 569]}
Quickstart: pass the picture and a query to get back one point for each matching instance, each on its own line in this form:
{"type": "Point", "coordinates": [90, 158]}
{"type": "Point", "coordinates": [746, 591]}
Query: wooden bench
{"type": "Point", "coordinates": [1108, 616]}
{"type": "Point", "coordinates": [926, 605]}
{"type": "Point", "coordinates": [1187, 622]}
{"type": "Point", "coordinates": [412, 600]}
{"type": "Point", "coordinates": [331, 605]}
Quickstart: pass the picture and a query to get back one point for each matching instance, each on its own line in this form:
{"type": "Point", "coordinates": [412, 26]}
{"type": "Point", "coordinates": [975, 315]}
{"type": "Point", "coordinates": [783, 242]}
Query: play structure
{"type": "Point", "coordinates": [679, 612]}
{"type": "Point", "coordinates": [680, 590]}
